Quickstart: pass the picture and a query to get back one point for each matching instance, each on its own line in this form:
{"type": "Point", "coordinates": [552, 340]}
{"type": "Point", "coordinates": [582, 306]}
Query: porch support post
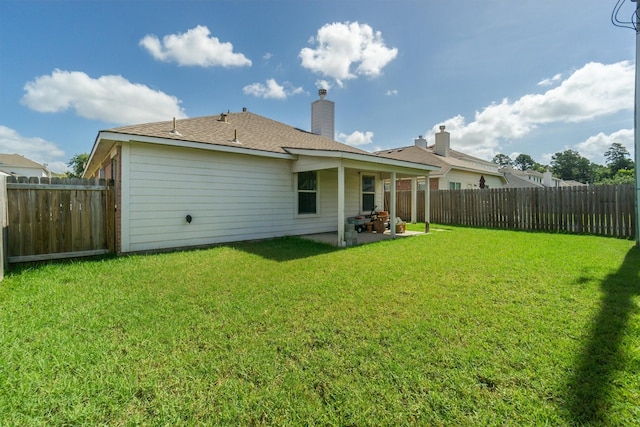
{"type": "Point", "coordinates": [341, 241]}
{"type": "Point", "coordinates": [392, 206]}
{"type": "Point", "coordinates": [427, 203]}
{"type": "Point", "coordinates": [414, 200]}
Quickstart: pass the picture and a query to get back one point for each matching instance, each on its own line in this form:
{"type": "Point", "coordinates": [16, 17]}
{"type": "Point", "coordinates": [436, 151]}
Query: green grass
{"type": "Point", "coordinates": [459, 327]}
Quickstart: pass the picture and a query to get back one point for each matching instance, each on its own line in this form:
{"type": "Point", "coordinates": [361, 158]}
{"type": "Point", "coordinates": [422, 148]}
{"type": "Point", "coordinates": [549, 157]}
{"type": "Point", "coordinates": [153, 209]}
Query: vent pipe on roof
{"type": "Point", "coordinates": [235, 136]}
{"type": "Point", "coordinates": [175, 129]}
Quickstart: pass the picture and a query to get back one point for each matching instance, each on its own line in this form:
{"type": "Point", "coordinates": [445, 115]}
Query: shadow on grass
{"type": "Point", "coordinates": [278, 249]}
{"type": "Point", "coordinates": [21, 267]}
{"type": "Point", "coordinates": [285, 248]}
{"type": "Point", "coordinates": [589, 389]}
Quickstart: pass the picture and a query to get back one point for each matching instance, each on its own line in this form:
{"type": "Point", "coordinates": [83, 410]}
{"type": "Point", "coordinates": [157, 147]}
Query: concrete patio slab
{"type": "Point", "coordinates": [363, 238]}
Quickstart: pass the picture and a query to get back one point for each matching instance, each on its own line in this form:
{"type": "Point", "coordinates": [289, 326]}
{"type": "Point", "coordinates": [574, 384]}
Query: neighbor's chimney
{"type": "Point", "coordinates": [322, 116]}
{"type": "Point", "coordinates": [420, 142]}
{"type": "Point", "coordinates": [443, 141]}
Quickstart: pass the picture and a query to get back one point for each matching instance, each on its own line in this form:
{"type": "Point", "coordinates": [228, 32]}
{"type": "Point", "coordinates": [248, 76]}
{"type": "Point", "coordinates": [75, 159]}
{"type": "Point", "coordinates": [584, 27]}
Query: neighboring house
{"type": "Point", "coordinates": [236, 176]}
{"type": "Point", "coordinates": [534, 179]}
{"type": "Point", "coordinates": [527, 179]}
{"type": "Point", "coordinates": [457, 170]}
{"type": "Point", "coordinates": [17, 165]}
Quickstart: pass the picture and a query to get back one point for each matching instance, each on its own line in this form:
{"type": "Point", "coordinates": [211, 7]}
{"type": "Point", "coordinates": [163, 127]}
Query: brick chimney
{"type": "Point", "coordinates": [443, 141]}
{"type": "Point", "coordinates": [322, 116]}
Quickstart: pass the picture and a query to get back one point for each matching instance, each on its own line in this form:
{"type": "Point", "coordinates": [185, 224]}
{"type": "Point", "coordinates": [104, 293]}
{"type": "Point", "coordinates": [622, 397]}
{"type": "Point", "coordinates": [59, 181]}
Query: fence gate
{"type": "Point", "coordinates": [59, 218]}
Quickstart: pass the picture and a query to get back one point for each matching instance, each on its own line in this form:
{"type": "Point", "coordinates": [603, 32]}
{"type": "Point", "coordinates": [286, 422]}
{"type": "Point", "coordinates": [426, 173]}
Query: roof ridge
{"type": "Point", "coordinates": [243, 129]}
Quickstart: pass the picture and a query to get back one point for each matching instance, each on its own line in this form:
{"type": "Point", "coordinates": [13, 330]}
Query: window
{"type": "Point", "coordinates": [307, 193]}
{"type": "Point", "coordinates": [368, 192]}
{"type": "Point", "coordinates": [454, 186]}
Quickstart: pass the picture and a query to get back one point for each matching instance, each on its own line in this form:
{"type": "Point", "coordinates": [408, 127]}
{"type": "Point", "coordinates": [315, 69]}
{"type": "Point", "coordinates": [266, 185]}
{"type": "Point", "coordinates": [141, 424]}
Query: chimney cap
{"type": "Point", "coordinates": [442, 127]}
{"type": "Point", "coordinates": [322, 93]}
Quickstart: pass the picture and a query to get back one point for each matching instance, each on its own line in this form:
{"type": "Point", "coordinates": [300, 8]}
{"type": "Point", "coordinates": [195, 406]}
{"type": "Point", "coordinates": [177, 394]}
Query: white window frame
{"type": "Point", "coordinates": [362, 192]}
{"type": "Point", "coordinates": [316, 191]}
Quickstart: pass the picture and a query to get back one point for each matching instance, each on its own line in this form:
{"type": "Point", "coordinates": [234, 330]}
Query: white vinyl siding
{"type": "Point", "coordinates": [468, 180]}
{"type": "Point", "coordinates": [231, 197]}
{"type": "Point", "coordinates": [23, 171]}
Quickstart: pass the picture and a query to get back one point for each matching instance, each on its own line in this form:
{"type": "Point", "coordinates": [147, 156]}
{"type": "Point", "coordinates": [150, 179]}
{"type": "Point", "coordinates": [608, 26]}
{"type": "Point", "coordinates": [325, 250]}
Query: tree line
{"type": "Point", "coordinates": [569, 165]}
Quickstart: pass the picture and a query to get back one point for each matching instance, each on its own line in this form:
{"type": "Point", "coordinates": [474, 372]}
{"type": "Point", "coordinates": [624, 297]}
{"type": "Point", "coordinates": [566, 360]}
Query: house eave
{"type": "Point", "coordinates": [116, 137]}
{"type": "Point", "coordinates": [376, 162]}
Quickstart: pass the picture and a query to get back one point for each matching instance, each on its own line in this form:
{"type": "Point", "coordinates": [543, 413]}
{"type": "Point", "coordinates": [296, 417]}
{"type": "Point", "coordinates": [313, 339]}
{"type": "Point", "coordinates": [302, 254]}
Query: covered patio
{"type": "Point", "coordinates": [347, 169]}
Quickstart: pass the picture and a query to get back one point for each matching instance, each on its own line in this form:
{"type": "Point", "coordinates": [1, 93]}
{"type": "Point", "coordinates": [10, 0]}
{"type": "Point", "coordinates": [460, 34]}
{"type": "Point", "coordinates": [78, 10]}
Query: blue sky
{"type": "Point", "coordinates": [527, 76]}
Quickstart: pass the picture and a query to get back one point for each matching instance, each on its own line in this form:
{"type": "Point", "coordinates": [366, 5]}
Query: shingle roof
{"type": "Point", "coordinates": [18, 161]}
{"type": "Point", "coordinates": [252, 131]}
{"type": "Point", "coordinates": [455, 159]}
{"type": "Point", "coordinates": [519, 181]}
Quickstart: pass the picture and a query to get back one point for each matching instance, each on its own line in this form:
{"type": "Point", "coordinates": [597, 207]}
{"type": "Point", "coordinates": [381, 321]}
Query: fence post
{"type": "Point", "coordinates": [3, 224]}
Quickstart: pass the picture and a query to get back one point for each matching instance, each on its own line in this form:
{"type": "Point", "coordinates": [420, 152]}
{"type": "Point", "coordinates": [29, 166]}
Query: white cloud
{"type": "Point", "coordinates": [341, 45]}
{"type": "Point", "coordinates": [594, 147]}
{"type": "Point", "coordinates": [392, 92]}
{"type": "Point", "coordinates": [323, 84]}
{"type": "Point", "coordinates": [194, 47]}
{"type": "Point", "coordinates": [272, 90]}
{"type": "Point", "coordinates": [551, 81]}
{"type": "Point", "coordinates": [356, 138]}
{"type": "Point", "coordinates": [37, 149]}
{"type": "Point", "coordinates": [593, 91]}
{"type": "Point", "coordinates": [107, 98]}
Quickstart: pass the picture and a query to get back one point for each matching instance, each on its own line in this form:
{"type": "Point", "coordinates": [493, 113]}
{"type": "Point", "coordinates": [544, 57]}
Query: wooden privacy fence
{"type": "Point", "coordinates": [59, 218]}
{"type": "Point", "coordinates": [607, 210]}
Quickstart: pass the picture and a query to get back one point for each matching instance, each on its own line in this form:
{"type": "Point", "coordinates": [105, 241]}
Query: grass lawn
{"type": "Point", "coordinates": [459, 327]}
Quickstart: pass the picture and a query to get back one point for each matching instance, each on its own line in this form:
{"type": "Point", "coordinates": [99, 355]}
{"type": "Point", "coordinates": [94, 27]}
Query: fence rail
{"type": "Point", "coordinates": [59, 218]}
{"type": "Point", "coordinates": [606, 210]}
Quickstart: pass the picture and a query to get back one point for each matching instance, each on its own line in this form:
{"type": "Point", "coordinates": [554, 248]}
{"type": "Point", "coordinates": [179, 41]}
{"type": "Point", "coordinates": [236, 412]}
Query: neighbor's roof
{"type": "Point", "coordinates": [251, 130]}
{"type": "Point", "coordinates": [571, 183]}
{"type": "Point", "coordinates": [18, 161]}
{"type": "Point", "coordinates": [455, 160]}
{"type": "Point", "coordinates": [515, 180]}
